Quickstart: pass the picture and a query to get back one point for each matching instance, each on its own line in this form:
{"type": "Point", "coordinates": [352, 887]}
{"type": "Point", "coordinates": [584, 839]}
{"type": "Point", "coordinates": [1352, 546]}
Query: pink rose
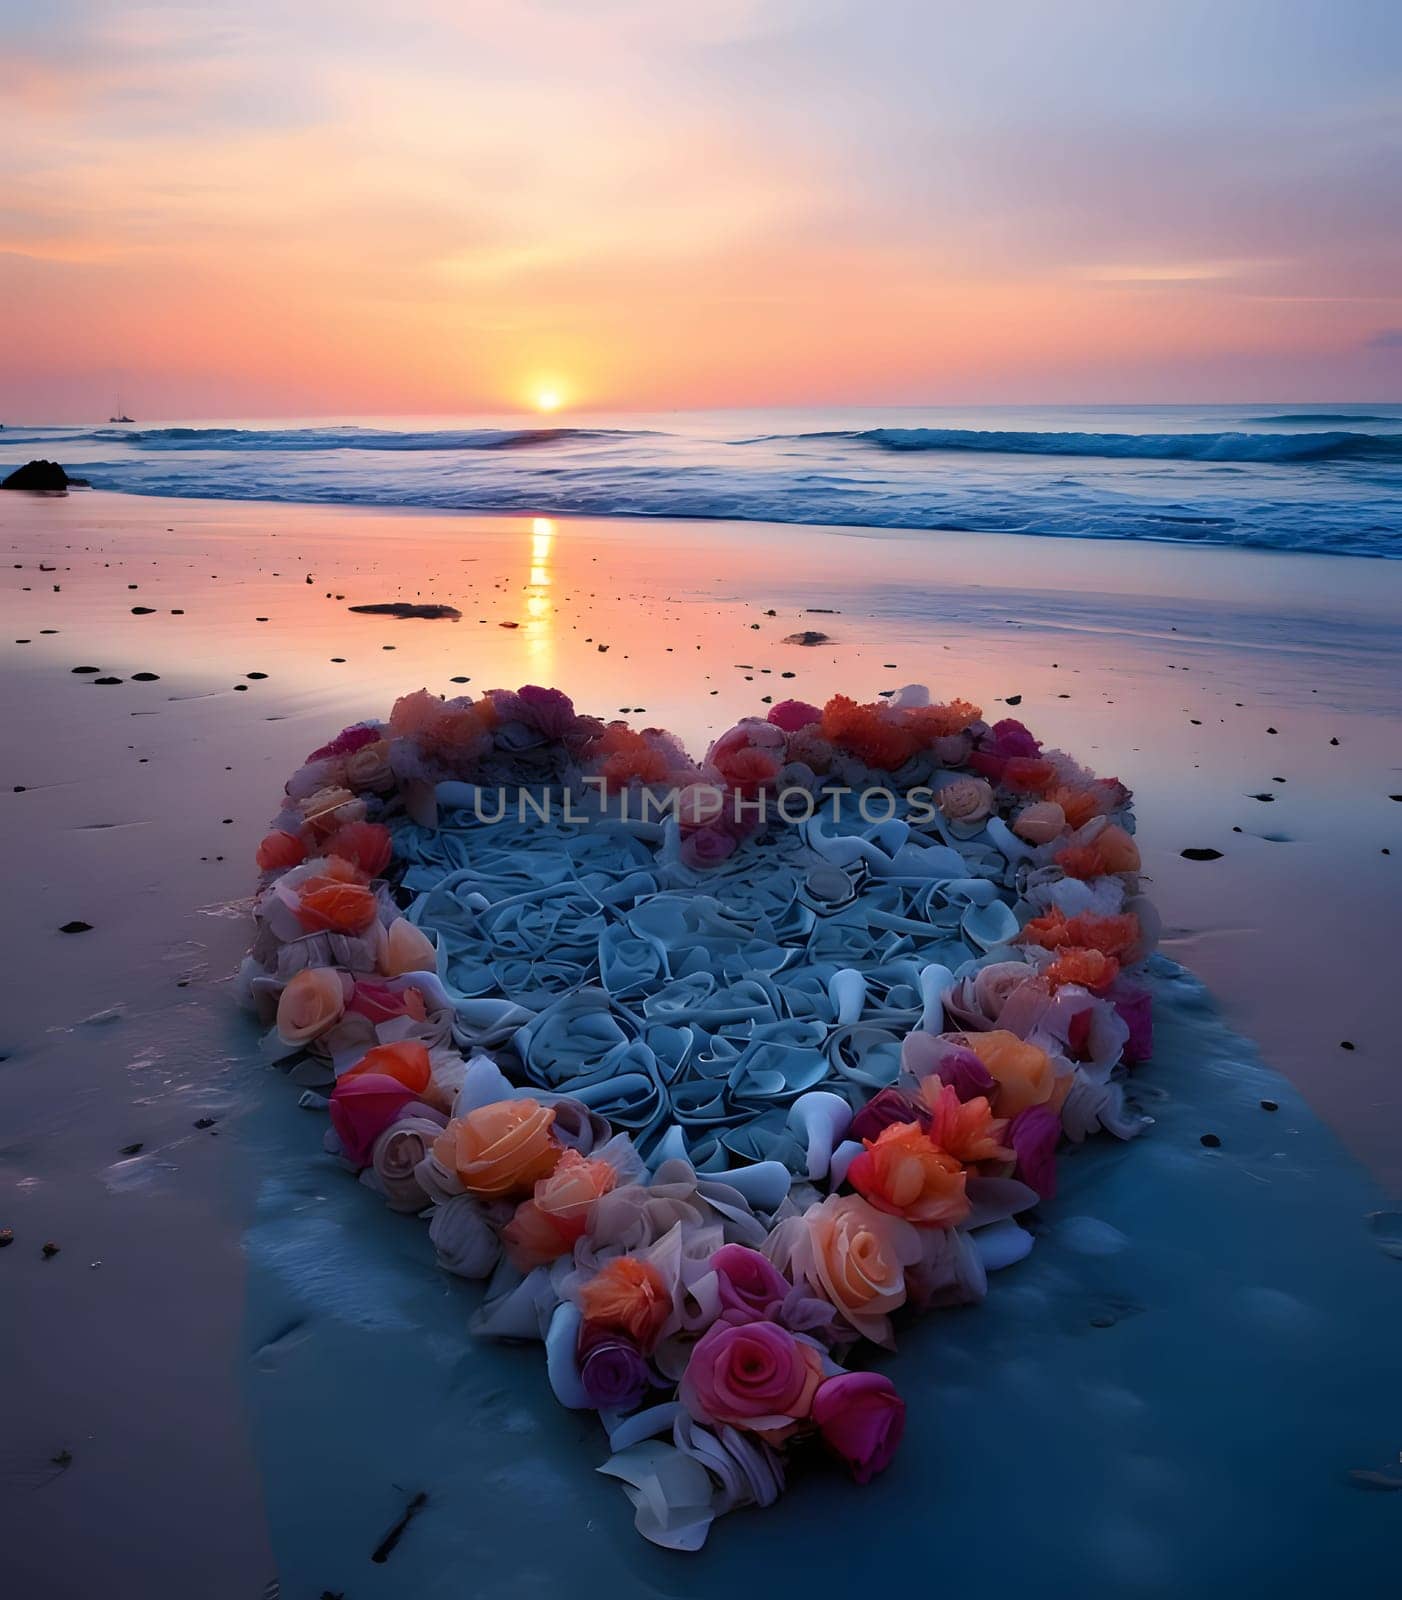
{"type": "Point", "coordinates": [362, 1107]}
{"type": "Point", "coordinates": [380, 1003]}
{"type": "Point", "coordinates": [862, 1418]}
{"type": "Point", "coordinates": [791, 715]}
{"type": "Point", "coordinates": [699, 805]}
{"type": "Point", "coordinates": [347, 742]}
{"type": "Point", "coordinates": [757, 1376]}
{"type": "Point", "coordinates": [1034, 1135]}
{"type": "Point", "coordinates": [752, 1289]}
{"type": "Point", "coordinates": [707, 847]}
{"type": "Point", "coordinates": [977, 1002]}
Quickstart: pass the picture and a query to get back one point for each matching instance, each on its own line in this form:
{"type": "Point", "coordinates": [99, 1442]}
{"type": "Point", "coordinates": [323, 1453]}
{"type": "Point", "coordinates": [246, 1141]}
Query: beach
{"type": "Point", "coordinates": [228, 1317]}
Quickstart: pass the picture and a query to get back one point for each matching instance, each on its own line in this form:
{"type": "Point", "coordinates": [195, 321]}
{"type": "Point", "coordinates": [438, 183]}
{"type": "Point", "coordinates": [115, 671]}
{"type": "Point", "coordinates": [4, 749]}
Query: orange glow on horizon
{"type": "Point", "coordinates": [211, 230]}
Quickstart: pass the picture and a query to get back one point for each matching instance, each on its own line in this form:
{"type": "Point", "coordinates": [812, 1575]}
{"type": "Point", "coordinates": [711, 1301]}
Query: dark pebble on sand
{"type": "Point", "coordinates": [87, 669]}
{"type": "Point", "coordinates": [1269, 1105]}
{"type": "Point", "coordinates": [7, 1236]}
{"type": "Point", "coordinates": [145, 677]}
{"type": "Point", "coordinates": [143, 611]}
{"type": "Point", "coordinates": [50, 1250]}
{"type": "Point", "coordinates": [1347, 1044]}
{"type": "Point", "coordinates": [255, 674]}
{"type": "Point", "coordinates": [1265, 797]}
{"type": "Point", "coordinates": [1211, 1141]}
{"type": "Point", "coordinates": [1013, 700]}
{"type": "Point", "coordinates": [459, 680]}
{"type": "Point", "coordinates": [76, 927]}
{"type": "Point", "coordinates": [240, 688]}
{"type": "Point", "coordinates": [107, 680]}
{"type": "Point", "coordinates": [1195, 854]}
{"type": "Point", "coordinates": [204, 1122]}
{"type": "Point", "coordinates": [131, 1149]}
{"type": "Point", "coordinates": [809, 636]}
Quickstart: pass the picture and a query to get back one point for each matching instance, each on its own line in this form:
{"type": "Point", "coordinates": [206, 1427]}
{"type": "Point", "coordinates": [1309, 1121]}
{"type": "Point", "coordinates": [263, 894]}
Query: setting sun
{"type": "Point", "coordinates": [548, 400]}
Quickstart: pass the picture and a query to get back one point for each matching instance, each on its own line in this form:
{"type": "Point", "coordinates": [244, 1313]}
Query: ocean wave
{"type": "Point", "coordinates": [313, 439]}
{"type": "Point", "coordinates": [1336, 491]}
{"type": "Point", "coordinates": [1289, 448]}
{"type": "Point", "coordinates": [1321, 418]}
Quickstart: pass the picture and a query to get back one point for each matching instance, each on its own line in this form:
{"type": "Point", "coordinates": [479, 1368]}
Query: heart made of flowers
{"type": "Point", "coordinates": [708, 1066]}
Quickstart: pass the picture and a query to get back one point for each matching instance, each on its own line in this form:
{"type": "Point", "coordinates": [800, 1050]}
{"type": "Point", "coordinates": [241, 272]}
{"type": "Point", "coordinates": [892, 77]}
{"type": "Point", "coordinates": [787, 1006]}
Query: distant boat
{"type": "Point", "coordinates": [121, 415]}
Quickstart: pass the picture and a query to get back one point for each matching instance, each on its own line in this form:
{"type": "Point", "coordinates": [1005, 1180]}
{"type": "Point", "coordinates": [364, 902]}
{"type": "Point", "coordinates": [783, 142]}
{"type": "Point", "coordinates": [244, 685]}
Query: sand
{"type": "Point", "coordinates": [263, 1367]}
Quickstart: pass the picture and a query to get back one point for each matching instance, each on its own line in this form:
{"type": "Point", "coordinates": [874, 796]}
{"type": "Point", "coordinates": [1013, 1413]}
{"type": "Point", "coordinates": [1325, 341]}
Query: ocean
{"type": "Point", "coordinates": [1324, 478]}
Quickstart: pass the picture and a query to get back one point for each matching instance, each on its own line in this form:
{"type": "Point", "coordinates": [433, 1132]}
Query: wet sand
{"type": "Point", "coordinates": [200, 1352]}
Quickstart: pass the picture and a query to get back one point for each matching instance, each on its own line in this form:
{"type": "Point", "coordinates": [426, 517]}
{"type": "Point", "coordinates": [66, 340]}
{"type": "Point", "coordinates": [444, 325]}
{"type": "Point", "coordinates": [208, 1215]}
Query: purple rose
{"type": "Point", "coordinates": [752, 1289]}
{"type": "Point", "coordinates": [548, 711]}
{"type": "Point", "coordinates": [936, 1055]}
{"type": "Point", "coordinates": [862, 1418]}
{"type": "Point", "coordinates": [885, 1108]}
{"type": "Point", "coordinates": [1034, 1135]}
{"type": "Point", "coordinates": [1010, 739]}
{"type": "Point", "coordinates": [1136, 1006]}
{"type": "Point", "coordinates": [612, 1369]}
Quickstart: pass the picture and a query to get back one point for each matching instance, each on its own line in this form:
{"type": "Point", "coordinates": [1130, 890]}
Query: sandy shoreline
{"type": "Point", "coordinates": [1168, 665]}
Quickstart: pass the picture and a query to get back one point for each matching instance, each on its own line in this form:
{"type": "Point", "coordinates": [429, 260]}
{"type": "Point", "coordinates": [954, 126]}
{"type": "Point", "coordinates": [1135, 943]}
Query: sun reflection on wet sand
{"type": "Point", "coordinates": [540, 623]}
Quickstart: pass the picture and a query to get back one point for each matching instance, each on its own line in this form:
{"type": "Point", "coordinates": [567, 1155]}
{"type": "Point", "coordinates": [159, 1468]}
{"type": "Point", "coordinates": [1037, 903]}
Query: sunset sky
{"type": "Point", "coordinates": [326, 206]}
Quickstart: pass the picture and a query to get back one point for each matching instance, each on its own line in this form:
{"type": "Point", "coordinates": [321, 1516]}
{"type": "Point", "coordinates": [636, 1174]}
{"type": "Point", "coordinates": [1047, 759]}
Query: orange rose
{"type": "Point", "coordinates": [628, 1295]}
{"type": "Point", "coordinates": [367, 844]}
{"type": "Point", "coordinates": [856, 1256]}
{"type": "Point", "coordinates": [500, 1151]}
{"type": "Point", "coordinates": [368, 770]}
{"type": "Point", "coordinates": [1024, 1072]}
{"type": "Point", "coordinates": [1041, 822]}
{"type": "Point", "coordinates": [325, 905]}
{"type": "Point", "coordinates": [942, 722]}
{"type": "Point", "coordinates": [407, 949]}
{"type": "Point", "coordinates": [873, 733]}
{"type": "Point", "coordinates": [901, 1172]}
{"type": "Point", "coordinates": [329, 809]}
{"type": "Point", "coordinates": [967, 1129]}
{"type": "Point", "coordinates": [279, 851]}
{"type": "Point", "coordinates": [1028, 774]}
{"type": "Point", "coordinates": [547, 1225]}
{"type": "Point", "coordinates": [1091, 969]}
{"type": "Point", "coordinates": [966, 800]}
{"type": "Point", "coordinates": [1079, 805]}
{"type": "Point", "coordinates": [1118, 849]}
{"type": "Point", "coordinates": [412, 713]}
{"type": "Point", "coordinates": [310, 1004]}
{"type": "Point", "coordinates": [406, 1060]}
